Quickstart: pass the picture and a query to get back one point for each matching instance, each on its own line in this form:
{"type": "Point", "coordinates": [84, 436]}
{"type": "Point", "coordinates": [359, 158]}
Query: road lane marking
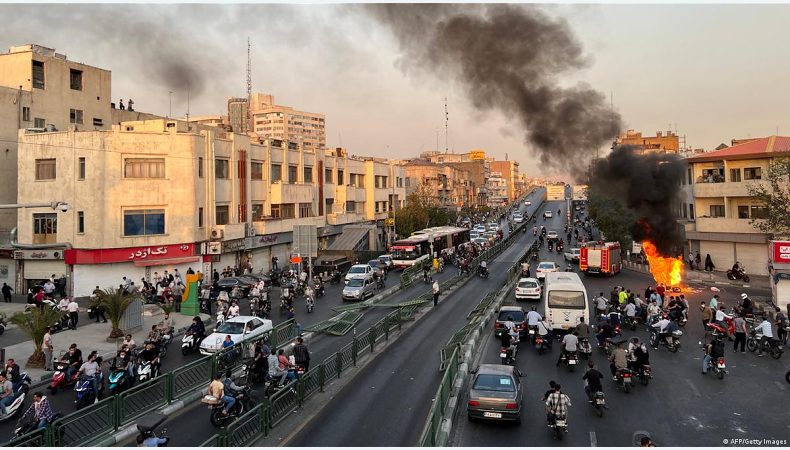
{"type": "Point", "coordinates": [593, 439]}
{"type": "Point", "coordinates": [693, 388]}
{"type": "Point", "coordinates": [781, 386]}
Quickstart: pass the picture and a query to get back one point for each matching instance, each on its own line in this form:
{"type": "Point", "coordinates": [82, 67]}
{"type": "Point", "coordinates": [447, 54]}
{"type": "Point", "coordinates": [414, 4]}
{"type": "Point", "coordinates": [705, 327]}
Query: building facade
{"type": "Point", "coordinates": [449, 187]}
{"type": "Point", "coordinates": [273, 121]}
{"type": "Point", "coordinates": [662, 142]}
{"type": "Point", "coordinates": [716, 208]}
{"type": "Point", "coordinates": [509, 172]}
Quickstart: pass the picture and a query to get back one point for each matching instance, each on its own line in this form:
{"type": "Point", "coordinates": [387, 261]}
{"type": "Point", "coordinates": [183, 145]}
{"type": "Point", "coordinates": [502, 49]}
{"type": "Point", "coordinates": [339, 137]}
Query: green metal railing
{"type": "Point", "coordinates": [436, 413]}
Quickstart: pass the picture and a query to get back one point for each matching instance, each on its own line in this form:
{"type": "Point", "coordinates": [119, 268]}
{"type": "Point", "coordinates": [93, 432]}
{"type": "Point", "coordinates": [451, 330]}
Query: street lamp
{"type": "Point", "coordinates": [56, 206]}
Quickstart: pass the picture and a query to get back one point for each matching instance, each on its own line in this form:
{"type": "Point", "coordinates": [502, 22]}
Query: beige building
{"type": "Point", "coordinates": [238, 117]}
{"type": "Point", "coordinates": [283, 122]}
{"type": "Point", "coordinates": [716, 207]}
{"type": "Point", "coordinates": [509, 171]}
{"type": "Point", "coordinates": [450, 187]}
{"type": "Point", "coordinates": [662, 142]}
{"type": "Point", "coordinates": [497, 190]}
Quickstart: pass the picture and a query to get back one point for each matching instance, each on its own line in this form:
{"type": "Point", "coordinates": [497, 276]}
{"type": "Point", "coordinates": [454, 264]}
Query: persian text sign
{"type": "Point", "coordinates": [780, 252]}
{"type": "Point", "coordinates": [129, 254]}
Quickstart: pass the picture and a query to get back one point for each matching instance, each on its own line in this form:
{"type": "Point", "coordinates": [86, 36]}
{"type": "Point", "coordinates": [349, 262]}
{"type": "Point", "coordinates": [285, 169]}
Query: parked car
{"type": "Point", "coordinates": [387, 261]}
{"type": "Point", "coordinates": [528, 288]}
{"type": "Point", "coordinates": [359, 289]}
{"type": "Point", "coordinates": [240, 329]}
{"type": "Point", "coordinates": [518, 316]}
{"type": "Point", "coordinates": [359, 271]}
{"type": "Point", "coordinates": [495, 393]}
{"type": "Point", "coordinates": [545, 267]}
{"type": "Point", "coordinates": [573, 255]}
{"type": "Point", "coordinates": [547, 214]}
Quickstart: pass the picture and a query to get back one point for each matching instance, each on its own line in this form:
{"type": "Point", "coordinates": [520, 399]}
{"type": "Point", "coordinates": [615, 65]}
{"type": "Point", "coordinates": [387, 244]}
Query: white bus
{"type": "Point", "coordinates": [565, 300]}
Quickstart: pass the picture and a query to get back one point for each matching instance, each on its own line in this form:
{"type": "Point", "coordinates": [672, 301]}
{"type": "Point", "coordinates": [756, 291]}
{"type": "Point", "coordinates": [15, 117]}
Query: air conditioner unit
{"type": "Point", "coordinates": [213, 248]}
{"type": "Point", "coordinates": [250, 230]}
{"type": "Point", "coordinates": [217, 233]}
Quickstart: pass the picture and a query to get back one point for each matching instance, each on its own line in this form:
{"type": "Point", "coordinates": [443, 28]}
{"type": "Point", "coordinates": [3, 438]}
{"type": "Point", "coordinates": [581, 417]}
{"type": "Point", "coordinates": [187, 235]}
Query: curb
{"type": "Point", "coordinates": [640, 268]}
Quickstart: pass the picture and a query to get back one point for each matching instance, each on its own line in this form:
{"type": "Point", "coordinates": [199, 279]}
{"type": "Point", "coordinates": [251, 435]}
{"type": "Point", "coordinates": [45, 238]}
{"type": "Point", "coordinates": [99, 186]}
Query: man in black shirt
{"type": "Point", "coordinates": [301, 354]}
{"type": "Point", "coordinates": [151, 354]}
{"type": "Point", "coordinates": [593, 379]}
{"type": "Point", "coordinates": [74, 357]}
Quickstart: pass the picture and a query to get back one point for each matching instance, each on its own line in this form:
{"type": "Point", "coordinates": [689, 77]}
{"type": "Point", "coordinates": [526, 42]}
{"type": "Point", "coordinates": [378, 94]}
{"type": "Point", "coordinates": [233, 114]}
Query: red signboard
{"type": "Point", "coordinates": [129, 254]}
{"type": "Point", "coordinates": [780, 252]}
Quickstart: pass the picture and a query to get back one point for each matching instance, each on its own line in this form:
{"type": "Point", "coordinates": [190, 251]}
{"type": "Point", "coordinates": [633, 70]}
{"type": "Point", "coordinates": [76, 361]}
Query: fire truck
{"type": "Point", "coordinates": [600, 257]}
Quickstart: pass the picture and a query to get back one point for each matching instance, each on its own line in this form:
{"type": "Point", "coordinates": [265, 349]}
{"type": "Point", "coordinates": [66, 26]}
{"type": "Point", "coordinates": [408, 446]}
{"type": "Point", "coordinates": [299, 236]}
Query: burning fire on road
{"type": "Point", "coordinates": [666, 270]}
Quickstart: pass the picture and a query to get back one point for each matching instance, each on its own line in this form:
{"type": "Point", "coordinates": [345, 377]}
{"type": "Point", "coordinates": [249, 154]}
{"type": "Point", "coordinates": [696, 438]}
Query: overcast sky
{"type": "Point", "coordinates": [714, 72]}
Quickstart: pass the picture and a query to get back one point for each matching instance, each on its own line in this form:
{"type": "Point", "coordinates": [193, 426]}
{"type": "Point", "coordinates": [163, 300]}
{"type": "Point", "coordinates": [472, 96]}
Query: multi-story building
{"type": "Point", "coordinates": [273, 121]}
{"type": "Point", "coordinates": [497, 190]}
{"type": "Point", "coordinates": [473, 162]}
{"type": "Point", "coordinates": [42, 89]}
{"type": "Point", "coordinates": [509, 171]}
{"type": "Point", "coordinates": [716, 207]}
{"type": "Point", "coordinates": [662, 142]}
{"type": "Point", "coordinates": [449, 187]}
{"type": "Point", "coordinates": [163, 194]}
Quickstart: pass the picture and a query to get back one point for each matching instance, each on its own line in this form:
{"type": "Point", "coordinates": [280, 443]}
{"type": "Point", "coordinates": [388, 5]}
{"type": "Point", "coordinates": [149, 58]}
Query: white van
{"type": "Point", "coordinates": [565, 300]}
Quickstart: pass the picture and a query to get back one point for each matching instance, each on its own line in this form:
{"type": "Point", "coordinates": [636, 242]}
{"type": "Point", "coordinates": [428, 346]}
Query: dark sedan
{"type": "Point", "coordinates": [495, 393]}
{"type": "Point", "coordinates": [267, 282]}
{"type": "Point", "coordinates": [227, 284]}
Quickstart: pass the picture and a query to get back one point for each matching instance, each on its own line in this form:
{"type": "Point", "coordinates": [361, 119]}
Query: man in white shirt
{"type": "Point", "coordinates": [570, 344]}
{"type": "Point", "coordinates": [73, 308]}
{"type": "Point", "coordinates": [764, 328]}
{"type": "Point", "coordinates": [662, 326]}
{"type": "Point", "coordinates": [630, 311]}
{"type": "Point", "coordinates": [721, 317]}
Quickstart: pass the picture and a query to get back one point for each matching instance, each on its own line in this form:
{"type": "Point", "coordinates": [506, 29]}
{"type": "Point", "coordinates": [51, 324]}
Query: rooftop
{"type": "Point", "coordinates": [757, 148]}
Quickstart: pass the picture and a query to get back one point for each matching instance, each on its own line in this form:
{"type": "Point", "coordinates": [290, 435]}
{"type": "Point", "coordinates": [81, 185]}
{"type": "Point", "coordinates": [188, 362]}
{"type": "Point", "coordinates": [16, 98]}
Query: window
{"type": "Point", "coordinates": [143, 222]}
{"type": "Point", "coordinates": [759, 212]}
{"type": "Point", "coordinates": [735, 175]}
{"type": "Point", "coordinates": [221, 169]}
{"type": "Point", "coordinates": [75, 79]}
{"type": "Point", "coordinates": [360, 180]}
{"type": "Point", "coordinates": [45, 228]}
{"type": "Point", "coordinates": [352, 179]}
{"type": "Point", "coordinates": [327, 175]}
{"type": "Point", "coordinates": [340, 176]}
{"type": "Point", "coordinates": [349, 206]}
{"type": "Point", "coordinates": [743, 212]}
{"type": "Point", "coordinates": [200, 167]}
{"type": "Point", "coordinates": [75, 116]}
{"type": "Point", "coordinates": [567, 299]}
{"type": "Point", "coordinates": [277, 173]}
{"type": "Point", "coordinates": [752, 173]}
{"type": "Point", "coordinates": [223, 214]}
{"type": "Point", "coordinates": [81, 174]}
{"type": "Point", "coordinates": [689, 175]}
{"type": "Point", "coordinates": [200, 217]}
{"type": "Point", "coordinates": [376, 181]}
{"type": "Point", "coordinates": [97, 122]}
{"type": "Point", "coordinates": [45, 169]}
{"type": "Point", "coordinates": [80, 221]}
{"type": "Point", "coordinates": [308, 175]}
{"type": "Point", "coordinates": [26, 114]}
{"type": "Point", "coordinates": [256, 171]}
{"type": "Point", "coordinates": [329, 203]}
{"type": "Point", "coordinates": [283, 211]}
{"type": "Point", "coordinates": [292, 171]}
{"type": "Point", "coordinates": [691, 211]}
{"type": "Point", "coordinates": [144, 168]}
{"type": "Point", "coordinates": [305, 209]}
{"type": "Point", "coordinates": [38, 122]}
{"type": "Point", "coordinates": [717, 210]}
{"type": "Point", "coordinates": [276, 211]}
{"type": "Point", "coordinates": [257, 211]}
{"type": "Point", "coordinates": [38, 74]}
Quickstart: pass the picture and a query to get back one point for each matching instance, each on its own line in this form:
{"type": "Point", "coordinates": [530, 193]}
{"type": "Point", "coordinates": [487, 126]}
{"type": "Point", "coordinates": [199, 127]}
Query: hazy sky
{"type": "Point", "coordinates": [716, 72]}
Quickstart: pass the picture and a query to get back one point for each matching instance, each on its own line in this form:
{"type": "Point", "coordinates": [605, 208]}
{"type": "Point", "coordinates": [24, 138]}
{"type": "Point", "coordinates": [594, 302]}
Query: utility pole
{"type": "Point", "coordinates": [249, 88]}
{"type": "Point", "coordinates": [187, 102]}
{"type": "Point", "coordinates": [170, 109]}
{"type": "Point", "coordinates": [446, 120]}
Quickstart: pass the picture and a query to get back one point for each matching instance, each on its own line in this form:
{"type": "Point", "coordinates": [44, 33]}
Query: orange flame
{"type": "Point", "coordinates": [667, 271]}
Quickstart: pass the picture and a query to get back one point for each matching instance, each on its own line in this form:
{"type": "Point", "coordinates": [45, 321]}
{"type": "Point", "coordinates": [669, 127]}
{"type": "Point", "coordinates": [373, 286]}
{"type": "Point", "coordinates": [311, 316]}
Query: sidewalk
{"type": "Point", "coordinates": [91, 336]}
{"type": "Point", "coordinates": [699, 276]}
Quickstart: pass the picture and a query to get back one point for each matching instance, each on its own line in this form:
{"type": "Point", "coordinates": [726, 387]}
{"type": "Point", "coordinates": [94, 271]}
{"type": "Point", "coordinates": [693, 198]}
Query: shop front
{"type": "Point", "coordinates": [107, 267]}
{"type": "Point", "coordinates": [262, 249]}
{"type": "Point", "coordinates": [37, 266]}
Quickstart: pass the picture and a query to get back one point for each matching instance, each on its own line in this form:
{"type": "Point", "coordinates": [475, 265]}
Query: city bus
{"type": "Point", "coordinates": [417, 248]}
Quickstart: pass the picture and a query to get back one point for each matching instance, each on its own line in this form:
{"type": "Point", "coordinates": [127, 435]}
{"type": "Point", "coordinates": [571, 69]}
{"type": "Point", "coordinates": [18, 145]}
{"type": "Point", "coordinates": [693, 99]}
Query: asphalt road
{"type": "Point", "coordinates": [680, 406]}
{"type": "Point", "coordinates": [389, 400]}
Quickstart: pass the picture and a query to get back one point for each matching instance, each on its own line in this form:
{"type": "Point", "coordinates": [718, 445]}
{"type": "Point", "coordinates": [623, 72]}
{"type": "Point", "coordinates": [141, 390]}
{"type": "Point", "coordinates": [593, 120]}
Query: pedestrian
{"type": "Point", "coordinates": [47, 348]}
{"type": "Point", "coordinates": [215, 276]}
{"type": "Point", "coordinates": [714, 302]}
{"type": "Point", "coordinates": [73, 308]}
{"type": "Point", "coordinates": [709, 264]}
{"type": "Point", "coordinates": [707, 316]}
{"type": "Point", "coordinates": [178, 292]}
{"type": "Point", "coordinates": [691, 260]}
{"type": "Point", "coordinates": [301, 354]}
{"type": "Point", "coordinates": [435, 292]}
{"type": "Point", "coordinates": [740, 333]}
{"type": "Point", "coordinates": [6, 293]}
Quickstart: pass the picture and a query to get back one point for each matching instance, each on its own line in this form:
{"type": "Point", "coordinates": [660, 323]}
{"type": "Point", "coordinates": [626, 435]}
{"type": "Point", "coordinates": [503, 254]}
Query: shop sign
{"type": "Point", "coordinates": [129, 254]}
{"type": "Point", "coordinates": [38, 254]}
{"type": "Point", "coordinates": [267, 240]}
{"type": "Point", "coordinates": [780, 252]}
{"type": "Point", "coordinates": [234, 245]}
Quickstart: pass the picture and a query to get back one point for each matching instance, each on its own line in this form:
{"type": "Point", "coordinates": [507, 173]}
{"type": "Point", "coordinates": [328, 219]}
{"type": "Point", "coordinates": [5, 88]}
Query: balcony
{"type": "Point", "coordinates": [343, 218]}
{"type": "Point", "coordinates": [724, 225]}
{"type": "Point", "coordinates": [291, 193]}
{"type": "Point", "coordinates": [271, 226]}
{"type": "Point", "coordinates": [727, 189]}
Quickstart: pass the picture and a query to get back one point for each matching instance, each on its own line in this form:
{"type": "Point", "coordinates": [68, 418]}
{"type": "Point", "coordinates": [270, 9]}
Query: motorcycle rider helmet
{"type": "Point", "coordinates": [744, 296]}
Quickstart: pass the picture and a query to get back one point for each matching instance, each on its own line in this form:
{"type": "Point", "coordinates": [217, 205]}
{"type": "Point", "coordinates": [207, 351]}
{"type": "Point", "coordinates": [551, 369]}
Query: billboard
{"type": "Point", "coordinates": [780, 252]}
{"type": "Point", "coordinates": [477, 155]}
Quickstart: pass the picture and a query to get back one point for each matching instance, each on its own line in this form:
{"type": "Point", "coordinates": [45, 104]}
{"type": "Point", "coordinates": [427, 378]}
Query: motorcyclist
{"type": "Point", "coordinates": [426, 273]}
{"type": "Point", "coordinates": [557, 405]}
{"type": "Point", "coordinates": [747, 306]}
{"type": "Point", "coordinates": [91, 370]}
{"type": "Point", "coordinates": [713, 351]}
{"type": "Point", "coordinates": [511, 329]}
{"type": "Point", "coordinates": [721, 318]}
{"type": "Point", "coordinates": [217, 390]}
{"type": "Point", "coordinates": [166, 326]}
{"type": "Point", "coordinates": [260, 359]}
{"type": "Point", "coordinates": [606, 332]}
{"type": "Point", "coordinates": [230, 389]}
{"type": "Point", "coordinates": [601, 305]}
{"type": "Point", "coordinates": [675, 308]}
{"type": "Point", "coordinates": [570, 344]}
{"type": "Point", "coordinates": [483, 269]}
{"type": "Point", "coordinates": [274, 369]}
{"type": "Point", "coordinates": [150, 354]}
{"type": "Point", "coordinates": [663, 326]}
{"type": "Point", "coordinates": [74, 357]}
{"type": "Point", "coordinates": [544, 331]}
{"type": "Point", "coordinates": [764, 328]}
{"type": "Point", "coordinates": [154, 335]}
{"type": "Point", "coordinates": [40, 411]}
{"type": "Point", "coordinates": [592, 380]}
{"type": "Point", "coordinates": [618, 360]}
{"type": "Point", "coordinates": [533, 317]}
{"type": "Point", "coordinates": [582, 330]}
{"type": "Point", "coordinates": [638, 354]}
{"type": "Point", "coordinates": [123, 360]}
{"type": "Point", "coordinates": [507, 342]}
{"type": "Point", "coordinates": [197, 329]}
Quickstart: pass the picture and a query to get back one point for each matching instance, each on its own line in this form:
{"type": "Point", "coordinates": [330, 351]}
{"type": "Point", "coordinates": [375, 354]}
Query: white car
{"type": "Point", "coordinates": [545, 267]}
{"type": "Point", "coordinates": [240, 329]}
{"type": "Point", "coordinates": [551, 235]}
{"type": "Point", "coordinates": [518, 218]}
{"type": "Point", "coordinates": [547, 214]}
{"type": "Point", "coordinates": [363, 271]}
{"type": "Point", "coordinates": [527, 203]}
{"type": "Point", "coordinates": [573, 255]}
{"type": "Point", "coordinates": [493, 226]}
{"type": "Point", "coordinates": [528, 288]}
{"type": "Point", "coordinates": [481, 241]}
{"type": "Point", "coordinates": [480, 228]}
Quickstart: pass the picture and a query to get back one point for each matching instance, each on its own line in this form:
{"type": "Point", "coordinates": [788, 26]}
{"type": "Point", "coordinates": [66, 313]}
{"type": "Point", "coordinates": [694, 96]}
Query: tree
{"type": "Point", "coordinates": [775, 196]}
{"type": "Point", "coordinates": [611, 217]}
{"type": "Point", "coordinates": [34, 325]}
{"type": "Point", "coordinates": [115, 303]}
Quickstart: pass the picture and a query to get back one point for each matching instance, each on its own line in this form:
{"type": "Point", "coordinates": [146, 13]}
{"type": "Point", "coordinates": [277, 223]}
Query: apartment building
{"type": "Point", "coordinates": [273, 121]}
{"type": "Point", "coordinates": [449, 187]}
{"type": "Point", "coordinates": [716, 208]}
{"type": "Point", "coordinates": [497, 190]}
{"type": "Point", "coordinates": [508, 170]}
{"type": "Point", "coordinates": [473, 162]}
{"type": "Point", "coordinates": [668, 142]}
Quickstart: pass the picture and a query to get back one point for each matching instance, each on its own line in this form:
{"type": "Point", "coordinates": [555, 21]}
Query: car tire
{"type": "Point", "coordinates": [471, 419]}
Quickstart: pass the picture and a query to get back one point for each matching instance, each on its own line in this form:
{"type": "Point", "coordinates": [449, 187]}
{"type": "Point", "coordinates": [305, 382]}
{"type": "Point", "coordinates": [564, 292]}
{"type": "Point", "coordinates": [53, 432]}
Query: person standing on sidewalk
{"type": "Point", "coordinates": [48, 348]}
{"type": "Point", "coordinates": [435, 292]}
{"type": "Point", "coordinates": [6, 293]}
{"type": "Point", "coordinates": [73, 310]}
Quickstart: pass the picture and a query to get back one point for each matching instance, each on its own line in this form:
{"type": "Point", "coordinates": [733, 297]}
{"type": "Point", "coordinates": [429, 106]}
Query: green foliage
{"type": "Point", "coordinates": [115, 302]}
{"type": "Point", "coordinates": [611, 217]}
{"type": "Point", "coordinates": [34, 325]}
{"type": "Point", "coordinates": [775, 196]}
{"type": "Point", "coordinates": [420, 212]}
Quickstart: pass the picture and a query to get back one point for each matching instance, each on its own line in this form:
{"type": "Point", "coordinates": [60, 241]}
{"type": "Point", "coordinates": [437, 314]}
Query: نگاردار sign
{"type": "Point", "coordinates": [129, 254]}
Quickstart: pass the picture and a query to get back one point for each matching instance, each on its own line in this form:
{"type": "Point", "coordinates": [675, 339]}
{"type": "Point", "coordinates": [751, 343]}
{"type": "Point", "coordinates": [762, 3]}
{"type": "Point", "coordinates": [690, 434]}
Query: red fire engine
{"type": "Point", "coordinates": [600, 257]}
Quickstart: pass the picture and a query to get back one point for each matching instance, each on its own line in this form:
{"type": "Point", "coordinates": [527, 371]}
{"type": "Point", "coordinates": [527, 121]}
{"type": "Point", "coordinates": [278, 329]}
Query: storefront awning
{"type": "Point", "coordinates": [166, 262]}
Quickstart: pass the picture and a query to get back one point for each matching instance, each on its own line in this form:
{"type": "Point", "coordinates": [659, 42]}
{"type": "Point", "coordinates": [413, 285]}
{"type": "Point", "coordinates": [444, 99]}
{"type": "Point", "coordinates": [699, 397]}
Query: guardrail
{"type": "Point", "coordinates": [436, 413]}
{"type": "Point", "coordinates": [93, 423]}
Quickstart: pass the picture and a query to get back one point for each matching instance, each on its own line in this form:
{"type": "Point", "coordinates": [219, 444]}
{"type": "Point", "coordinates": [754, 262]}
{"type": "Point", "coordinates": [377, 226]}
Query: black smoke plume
{"type": "Point", "coordinates": [647, 184]}
{"type": "Point", "coordinates": [510, 59]}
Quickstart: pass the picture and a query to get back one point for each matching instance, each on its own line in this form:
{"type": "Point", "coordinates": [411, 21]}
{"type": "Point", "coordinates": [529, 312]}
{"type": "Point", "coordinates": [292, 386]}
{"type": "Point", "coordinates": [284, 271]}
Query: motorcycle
{"type": "Point", "coordinates": [146, 427]}
{"type": "Point", "coordinates": [243, 404]}
{"type": "Point", "coordinates": [336, 276]}
{"type": "Point", "coordinates": [118, 380]}
{"type": "Point", "coordinates": [189, 342]}
{"type": "Point", "coordinates": [426, 277]}
{"type": "Point", "coordinates": [550, 246]}
{"type": "Point", "coordinates": [672, 342]}
{"type": "Point", "coordinates": [251, 375]}
{"type": "Point", "coordinates": [310, 303]}
{"type": "Point", "coordinates": [84, 390]}
{"type": "Point", "coordinates": [59, 377]}
{"type": "Point", "coordinates": [773, 347]}
{"type": "Point", "coordinates": [542, 344]}
{"type": "Point", "coordinates": [739, 274]}
{"type": "Point", "coordinates": [165, 341]}
{"type": "Point", "coordinates": [624, 379]}
{"type": "Point", "coordinates": [571, 359]}
{"type": "Point", "coordinates": [630, 322]}
{"type": "Point", "coordinates": [597, 400]}
{"type": "Point", "coordinates": [718, 367]}
{"type": "Point", "coordinates": [146, 371]}
{"type": "Point", "coordinates": [560, 426]}
{"type": "Point", "coordinates": [585, 349]}
{"type": "Point", "coordinates": [27, 424]}
{"type": "Point", "coordinates": [483, 272]}
{"type": "Point", "coordinates": [508, 355]}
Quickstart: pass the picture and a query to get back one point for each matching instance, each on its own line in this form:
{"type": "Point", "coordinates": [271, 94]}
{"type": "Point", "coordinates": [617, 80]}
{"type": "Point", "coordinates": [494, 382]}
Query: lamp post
{"type": "Point", "coordinates": [56, 206]}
